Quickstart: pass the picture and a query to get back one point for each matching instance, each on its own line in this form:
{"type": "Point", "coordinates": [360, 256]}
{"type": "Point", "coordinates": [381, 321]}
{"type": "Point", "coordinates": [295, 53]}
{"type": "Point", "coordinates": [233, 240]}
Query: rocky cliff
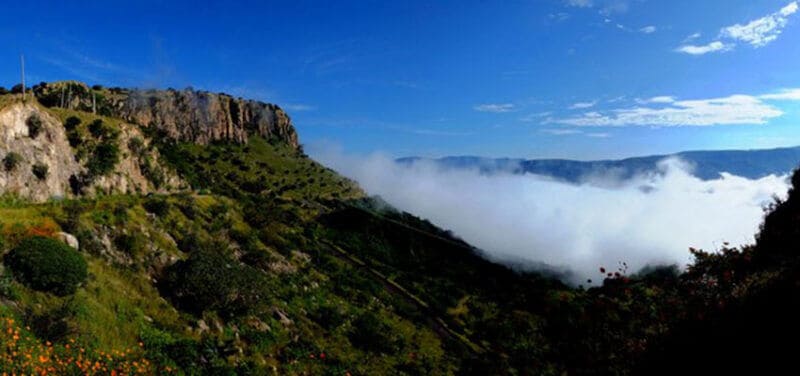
{"type": "Point", "coordinates": [46, 154]}
{"type": "Point", "coordinates": [185, 115]}
{"type": "Point", "coordinates": [22, 147]}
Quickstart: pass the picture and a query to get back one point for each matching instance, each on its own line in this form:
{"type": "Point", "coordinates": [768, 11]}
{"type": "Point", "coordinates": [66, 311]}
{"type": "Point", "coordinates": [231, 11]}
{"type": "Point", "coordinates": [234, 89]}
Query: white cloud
{"type": "Point", "coordinates": [762, 31]}
{"type": "Point", "coordinates": [561, 131]}
{"type": "Point", "coordinates": [494, 107]}
{"type": "Point", "coordinates": [648, 29]}
{"type": "Point", "coordinates": [535, 117]}
{"type": "Point", "coordinates": [788, 94]}
{"type": "Point", "coordinates": [582, 105]}
{"type": "Point", "coordinates": [580, 227]}
{"type": "Point", "coordinates": [757, 33]}
{"type": "Point", "coordinates": [662, 99]}
{"type": "Point", "coordinates": [605, 7]}
{"type": "Point", "coordinates": [731, 110]}
{"type": "Point", "coordinates": [715, 46]}
{"type": "Point", "coordinates": [559, 17]}
{"type": "Point", "coordinates": [580, 3]}
{"type": "Point", "coordinates": [299, 107]}
{"type": "Point", "coordinates": [692, 37]}
{"type": "Point", "coordinates": [598, 134]}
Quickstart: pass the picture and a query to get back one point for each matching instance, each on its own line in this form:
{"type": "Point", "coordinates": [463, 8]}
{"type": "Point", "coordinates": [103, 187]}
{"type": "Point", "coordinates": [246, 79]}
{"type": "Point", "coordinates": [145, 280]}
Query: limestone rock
{"type": "Point", "coordinates": [49, 148]}
{"type": "Point", "coordinates": [202, 117]}
{"type": "Point", "coordinates": [69, 239]}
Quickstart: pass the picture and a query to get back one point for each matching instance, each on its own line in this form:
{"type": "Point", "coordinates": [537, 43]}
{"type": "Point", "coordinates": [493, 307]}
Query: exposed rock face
{"type": "Point", "coordinates": [23, 148]}
{"type": "Point", "coordinates": [185, 115]}
{"type": "Point", "coordinates": [128, 176]}
{"type": "Point", "coordinates": [48, 148]}
{"type": "Point", "coordinates": [202, 117]}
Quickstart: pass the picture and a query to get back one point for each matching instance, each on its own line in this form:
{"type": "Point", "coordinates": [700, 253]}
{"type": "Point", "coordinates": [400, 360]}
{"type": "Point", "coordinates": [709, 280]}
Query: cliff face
{"type": "Point", "coordinates": [38, 163]}
{"type": "Point", "coordinates": [202, 117]}
{"type": "Point", "coordinates": [22, 148]}
{"type": "Point", "coordinates": [185, 115]}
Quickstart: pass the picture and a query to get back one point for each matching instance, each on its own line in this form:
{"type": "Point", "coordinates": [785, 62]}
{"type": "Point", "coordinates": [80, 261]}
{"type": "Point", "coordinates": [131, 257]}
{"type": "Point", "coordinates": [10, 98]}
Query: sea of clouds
{"type": "Point", "coordinates": [602, 222]}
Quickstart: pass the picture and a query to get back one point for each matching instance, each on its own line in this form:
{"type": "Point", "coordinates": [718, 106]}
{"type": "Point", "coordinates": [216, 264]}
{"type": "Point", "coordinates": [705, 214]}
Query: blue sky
{"type": "Point", "coordinates": [539, 78]}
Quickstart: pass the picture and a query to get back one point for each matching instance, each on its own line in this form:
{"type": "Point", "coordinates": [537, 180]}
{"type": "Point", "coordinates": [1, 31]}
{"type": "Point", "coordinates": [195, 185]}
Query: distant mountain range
{"type": "Point", "coordinates": [707, 165]}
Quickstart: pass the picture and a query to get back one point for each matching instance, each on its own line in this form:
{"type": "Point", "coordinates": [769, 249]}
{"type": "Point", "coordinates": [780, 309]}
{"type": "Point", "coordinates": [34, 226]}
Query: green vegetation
{"type": "Point", "coordinates": [274, 264]}
{"type": "Point", "coordinates": [11, 161]}
{"type": "Point", "coordinates": [209, 281]}
{"type": "Point", "coordinates": [47, 265]}
{"type": "Point", "coordinates": [34, 124]}
{"type": "Point", "coordinates": [40, 170]}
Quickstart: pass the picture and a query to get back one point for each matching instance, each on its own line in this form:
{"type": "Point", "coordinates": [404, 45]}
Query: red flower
{"type": "Point", "coordinates": [322, 355]}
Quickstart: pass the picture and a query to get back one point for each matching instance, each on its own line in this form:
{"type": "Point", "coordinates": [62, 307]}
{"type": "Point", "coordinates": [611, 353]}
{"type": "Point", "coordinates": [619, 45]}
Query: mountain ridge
{"type": "Point", "coordinates": [706, 164]}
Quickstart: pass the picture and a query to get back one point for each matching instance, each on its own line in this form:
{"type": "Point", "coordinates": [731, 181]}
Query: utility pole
{"type": "Point", "coordinates": [22, 64]}
{"type": "Point", "coordinates": [94, 103]}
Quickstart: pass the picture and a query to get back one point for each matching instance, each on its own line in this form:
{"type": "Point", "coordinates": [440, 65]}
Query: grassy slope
{"type": "Point", "coordinates": [374, 290]}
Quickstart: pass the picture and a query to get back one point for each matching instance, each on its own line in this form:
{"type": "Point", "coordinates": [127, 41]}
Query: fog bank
{"type": "Point", "coordinates": [650, 219]}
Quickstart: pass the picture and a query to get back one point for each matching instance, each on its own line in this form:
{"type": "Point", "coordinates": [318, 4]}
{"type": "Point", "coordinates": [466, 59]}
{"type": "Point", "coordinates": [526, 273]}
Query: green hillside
{"type": "Point", "coordinates": [273, 264]}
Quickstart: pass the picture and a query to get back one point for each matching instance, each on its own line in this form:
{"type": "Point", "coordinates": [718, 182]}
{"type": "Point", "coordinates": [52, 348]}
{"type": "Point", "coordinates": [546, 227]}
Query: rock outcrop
{"type": "Point", "coordinates": [22, 148]}
{"type": "Point", "coordinates": [186, 115]}
{"type": "Point", "coordinates": [202, 117]}
{"type": "Point", "coordinates": [38, 163]}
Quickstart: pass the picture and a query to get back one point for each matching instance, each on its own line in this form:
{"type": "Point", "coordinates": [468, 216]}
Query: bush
{"type": "Point", "coordinates": [101, 130]}
{"type": "Point", "coordinates": [157, 205]}
{"type": "Point", "coordinates": [40, 170]}
{"type": "Point", "coordinates": [369, 332]}
{"type": "Point", "coordinates": [71, 123]}
{"type": "Point", "coordinates": [104, 158]}
{"type": "Point", "coordinates": [34, 124]}
{"type": "Point", "coordinates": [46, 264]}
{"type": "Point", "coordinates": [211, 281]}
{"type": "Point", "coordinates": [136, 145]}
{"type": "Point", "coordinates": [11, 161]}
{"type": "Point", "coordinates": [74, 138]}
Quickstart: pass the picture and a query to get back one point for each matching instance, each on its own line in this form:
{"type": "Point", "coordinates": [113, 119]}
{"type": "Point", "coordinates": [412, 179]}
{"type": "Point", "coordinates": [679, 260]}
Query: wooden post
{"type": "Point", "coordinates": [22, 64]}
{"type": "Point", "coordinates": [94, 103]}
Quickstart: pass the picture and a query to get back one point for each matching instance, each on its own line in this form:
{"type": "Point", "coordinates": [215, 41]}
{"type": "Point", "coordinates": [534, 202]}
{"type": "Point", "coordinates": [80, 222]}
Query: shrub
{"type": "Point", "coordinates": [104, 158]}
{"type": "Point", "coordinates": [11, 161]}
{"type": "Point", "coordinates": [34, 124]}
{"type": "Point", "coordinates": [136, 145]}
{"type": "Point", "coordinates": [101, 130]}
{"type": "Point", "coordinates": [210, 281]}
{"type": "Point", "coordinates": [46, 264]}
{"type": "Point", "coordinates": [40, 170]}
{"type": "Point", "coordinates": [152, 172]}
{"type": "Point", "coordinates": [157, 205]}
{"type": "Point", "coordinates": [71, 123]}
{"type": "Point", "coordinates": [369, 332]}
